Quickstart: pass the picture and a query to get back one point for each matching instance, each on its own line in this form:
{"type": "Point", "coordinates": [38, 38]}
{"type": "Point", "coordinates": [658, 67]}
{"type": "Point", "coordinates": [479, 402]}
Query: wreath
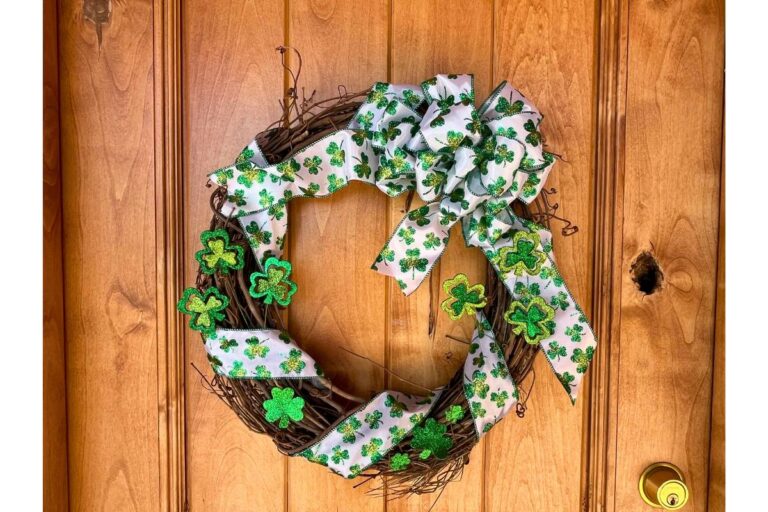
{"type": "Point", "coordinates": [481, 167]}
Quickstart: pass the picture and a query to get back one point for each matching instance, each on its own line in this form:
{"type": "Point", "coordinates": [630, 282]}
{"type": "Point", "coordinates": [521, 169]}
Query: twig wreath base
{"type": "Point", "coordinates": [325, 406]}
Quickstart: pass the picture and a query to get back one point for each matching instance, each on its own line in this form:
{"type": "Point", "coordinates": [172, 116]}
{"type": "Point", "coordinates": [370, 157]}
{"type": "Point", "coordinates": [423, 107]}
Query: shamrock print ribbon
{"type": "Point", "coordinates": [258, 354]}
{"type": "Point", "coordinates": [468, 164]}
{"type": "Point", "coordinates": [466, 160]}
{"type": "Point", "coordinates": [457, 158]}
{"type": "Point", "coordinates": [543, 311]}
{"type": "Point", "coordinates": [369, 432]}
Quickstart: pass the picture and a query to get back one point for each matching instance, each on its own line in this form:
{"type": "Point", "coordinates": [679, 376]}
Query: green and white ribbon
{"type": "Point", "coordinates": [369, 432]}
{"type": "Point", "coordinates": [468, 164]}
{"type": "Point", "coordinates": [259, 354]}
{"type": "Point", "coordinates": [488, 387]}
{"type": "Point", "coordinates": [543, 310]}
{"type": "Point", "coordinates": [365, 436]}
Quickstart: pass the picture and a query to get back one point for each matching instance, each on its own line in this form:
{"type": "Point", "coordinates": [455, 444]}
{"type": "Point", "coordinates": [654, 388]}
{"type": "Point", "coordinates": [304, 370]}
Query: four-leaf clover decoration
{"type": "Point", "coordinates": [273, 284]}
{"type": "Point", "coordinates": [431, 440]}
{"type": "Point", "coordinates": [462, 298]}
{"type": "Point", "coordinates": [533, 321]}
{"type": "Point", "coordinates": [523, 256]}
{"type": "Point", "coordinates": [283, 407]}
{"type": "Point", "coordinates": [218, 254]}
{"type": "Point", "coordinates": [205, 307]}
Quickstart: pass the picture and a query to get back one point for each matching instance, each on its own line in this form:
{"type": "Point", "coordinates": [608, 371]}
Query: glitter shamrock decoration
{"type": "Point", "coordinates": [462, 298]}
{"type": "Point", "coordinates": [534, 321]}
{"type": "Point", "coordinates": [522, 256]}
{"type": "Point", "coordinates": [218, 254]}
{"type": "Point", "coordinates": [283, 407]}
{"type": "Point", "coordinates": [399, 462]}
{"type": "Point", "coordinates": [454, 414]}
{"type": "Point", "coordinates": [431, 440]}
{"type": "Point", "coordinates": [273, 284]}
{"type": "Point", "coordinates": [204, 307]}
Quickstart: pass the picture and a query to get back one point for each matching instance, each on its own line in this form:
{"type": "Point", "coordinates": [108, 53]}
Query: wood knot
{"type": "Point", "coordinates": [646, 273]}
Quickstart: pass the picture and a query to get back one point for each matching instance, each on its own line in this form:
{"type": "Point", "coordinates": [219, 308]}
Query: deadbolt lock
{"type": "Point", "coordinates": [662, 486]}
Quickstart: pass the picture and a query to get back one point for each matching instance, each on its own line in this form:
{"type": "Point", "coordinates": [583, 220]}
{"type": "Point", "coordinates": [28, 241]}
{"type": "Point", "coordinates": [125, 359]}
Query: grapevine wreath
{"type": "Point", "coordinates": [481, 167]}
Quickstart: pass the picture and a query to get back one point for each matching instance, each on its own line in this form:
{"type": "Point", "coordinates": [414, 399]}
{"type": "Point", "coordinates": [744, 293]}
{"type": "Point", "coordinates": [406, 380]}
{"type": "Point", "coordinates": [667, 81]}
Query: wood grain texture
{"type": "Point", "coordinates": [232, 82]}
{"type": "Point", "coordinates": [170, 257]}
{"type": "Point", "coordinates": [716, 495]}
{"type": "Point", "coordinates": [611, 74]}
{"type": "Point", "coordinates": [671, 202]}
{"type": "Point", "coordinates": [109, 258]}
{"type": "Point", "coordinates": [333, 241]}
{"type": "Point", "coordinates": [429, 38]}
{"type": "Point", "coordinates": [55, 474]}
{"type": "Point", "coordinates": [632, 99]}
{"type": "Point", "coordinates": [546, 49]}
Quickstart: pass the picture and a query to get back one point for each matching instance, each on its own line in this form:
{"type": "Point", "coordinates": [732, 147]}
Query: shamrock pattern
{"type": "Point", "coordinates": [258, 354]}
{"type": "Point", "coordinates": [543, 310]}
{"type": "Point", "coordinates": [457, 157]}
{"type": "Point", "coordinates": [273, 285]}
{"type": "Point", "coordinates": [488, 387]}
{"type": "Point", "coordinates": [462, 298]}
{"type": "Point", "coordinates": [206, 308]}
{"type": "Point", "coordinates": [369, 433]}
{"type": "Point", "coordinates": [468, 164]}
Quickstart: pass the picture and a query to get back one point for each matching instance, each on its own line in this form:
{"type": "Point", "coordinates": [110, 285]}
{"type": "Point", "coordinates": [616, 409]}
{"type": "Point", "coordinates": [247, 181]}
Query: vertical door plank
{"type": "Point", "coordinates": [109, 257]}
{"type": "Point", "coordinates": [232, 83]}
{"type": "Point", "coordinates": [55, 480]}
{"type": "Point", "coordinates": [340, 302]}
{"type": "Point", "coordinates": [433, 37]}
{"type": "Point", "coordinates": [546, 49]}
{"type": "Point", "coordinates": [716, 499]}
{"type": "Point", "coordinates": [673, 162]}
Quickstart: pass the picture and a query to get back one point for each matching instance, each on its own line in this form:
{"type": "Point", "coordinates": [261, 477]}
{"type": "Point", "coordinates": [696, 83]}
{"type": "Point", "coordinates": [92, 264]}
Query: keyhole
{"type": "Point", "coordinates": [672, 500]}
{"type": "Point", "coordinates": [646, 273]}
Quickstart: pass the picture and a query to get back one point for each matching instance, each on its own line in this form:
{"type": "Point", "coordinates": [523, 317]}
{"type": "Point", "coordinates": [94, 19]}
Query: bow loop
{"type": "Point", "coordinates": [474, 156]}
{"type": "Point", "coordinates": [430, 139]}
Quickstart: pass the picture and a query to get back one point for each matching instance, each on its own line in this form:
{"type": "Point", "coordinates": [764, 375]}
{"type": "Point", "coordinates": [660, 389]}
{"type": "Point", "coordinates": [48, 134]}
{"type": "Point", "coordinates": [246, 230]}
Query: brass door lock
{"type": "Point", "coordinates": [662, 486]}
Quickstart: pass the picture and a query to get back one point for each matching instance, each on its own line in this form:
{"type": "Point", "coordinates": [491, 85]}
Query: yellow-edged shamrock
{"type": "Point", "coordinates": [523, 256]}
{"type": "Point", "coordinates": [462, 298]}
{"type": "Point", "coordinates": [218, 254]}
{"type": "Point", "coordinates": [534, 320]}
{"type": "Point", "coordinates": [273, 284]}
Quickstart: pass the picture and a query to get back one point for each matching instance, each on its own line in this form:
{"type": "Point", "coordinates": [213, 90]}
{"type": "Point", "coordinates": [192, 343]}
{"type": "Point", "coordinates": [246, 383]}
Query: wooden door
{"type": "Point", "coordinates": [143, 98]}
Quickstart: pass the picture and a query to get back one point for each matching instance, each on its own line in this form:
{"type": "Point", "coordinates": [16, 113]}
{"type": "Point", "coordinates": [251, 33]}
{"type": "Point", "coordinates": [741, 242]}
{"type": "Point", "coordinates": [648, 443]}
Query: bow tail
{"type": "Point", "coordinates": [488, 387]}
{"type": "Point", "coordinates": [543, 310]}
{"type": "Point", "coordinates": [414, 248]}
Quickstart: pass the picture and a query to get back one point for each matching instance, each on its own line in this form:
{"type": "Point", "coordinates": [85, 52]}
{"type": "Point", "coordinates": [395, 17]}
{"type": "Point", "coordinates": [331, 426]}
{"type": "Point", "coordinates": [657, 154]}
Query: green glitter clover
{"type": "Point", "coordinates": [462, 298]}
{"type": "Point", "coordinates": [273, 284]}
{"type": "Point", "coordinates": [454, 414]}
{"type": "Point", "coordinates": [399, 462]}
{"type": "Point", "coordinates": [431, 440]}
{"type": "Point", "coordinates": [533, 321]}
{"type": "Point", "coordinates": [218, 253]}
{"type": "Point", "coordinates": [283, 407]}
{"type": "Point", "coordinates": [204, 307]}
{"type": "Point", "coordinates": [522, 256]}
